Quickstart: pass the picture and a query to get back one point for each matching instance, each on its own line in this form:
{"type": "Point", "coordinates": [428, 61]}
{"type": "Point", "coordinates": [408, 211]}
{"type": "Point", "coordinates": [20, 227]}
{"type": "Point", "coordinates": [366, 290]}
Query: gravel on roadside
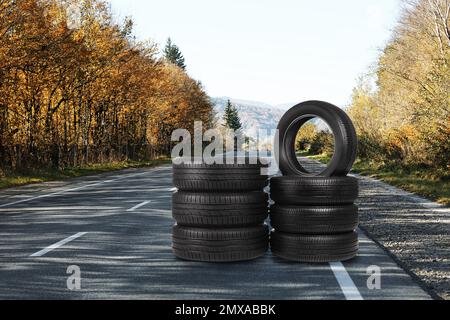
{"type": "Point", "coordinates": [414, 230]}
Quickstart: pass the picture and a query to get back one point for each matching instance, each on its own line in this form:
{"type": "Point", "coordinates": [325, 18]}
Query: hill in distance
{"type": "Point", "coordinates": [254, 115]}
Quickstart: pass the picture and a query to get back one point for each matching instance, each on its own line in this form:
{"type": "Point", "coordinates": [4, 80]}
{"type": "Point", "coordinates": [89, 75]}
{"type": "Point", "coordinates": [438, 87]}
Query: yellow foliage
{"type": "Point", "coordinates": [62, 87]}
{"type": "Point", "coordinates": [405, 118]}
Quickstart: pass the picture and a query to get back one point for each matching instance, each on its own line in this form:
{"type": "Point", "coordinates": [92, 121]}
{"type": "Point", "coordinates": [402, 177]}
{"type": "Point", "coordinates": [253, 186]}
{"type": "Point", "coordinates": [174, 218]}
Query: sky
{"type": "Point", "coordinates": [273, 51]}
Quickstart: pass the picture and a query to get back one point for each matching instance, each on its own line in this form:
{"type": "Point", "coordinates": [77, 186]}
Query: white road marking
{"type": "Point", "coordinates": [346, 283]}
{"type": "Point", "coordinates": [138, 206]}
{"type": "Point", "coordinates": [50, 194]}
{"type": "Point", "coordinates": [59, 209]}
{"type": "Point", "coordinates": [58, 245]}
{"type": "Point", "coordinates": [76, 189]}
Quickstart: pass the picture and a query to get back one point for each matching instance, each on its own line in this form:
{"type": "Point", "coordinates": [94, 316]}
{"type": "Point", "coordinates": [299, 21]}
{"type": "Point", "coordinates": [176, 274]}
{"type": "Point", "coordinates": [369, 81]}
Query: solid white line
{"type": "Point", "coordinates": [346, 283]}
{"type": "Point", "coordinates": [76, 189]}
{"type": "Point", "coordinates": [58, 244]}
{"type": "Point", "coordinates": [139, 206]}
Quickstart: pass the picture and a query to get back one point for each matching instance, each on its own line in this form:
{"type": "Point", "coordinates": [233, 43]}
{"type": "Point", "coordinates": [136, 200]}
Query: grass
{"type": "Point", "coordinates": [425, 182]}
{"type": "Point", "coordinates": [10, 179]}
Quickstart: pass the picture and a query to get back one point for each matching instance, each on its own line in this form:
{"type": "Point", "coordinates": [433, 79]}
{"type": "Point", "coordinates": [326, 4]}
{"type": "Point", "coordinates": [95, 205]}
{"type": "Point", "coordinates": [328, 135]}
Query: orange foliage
{"type": "Point", "coordinates": [79, 89]}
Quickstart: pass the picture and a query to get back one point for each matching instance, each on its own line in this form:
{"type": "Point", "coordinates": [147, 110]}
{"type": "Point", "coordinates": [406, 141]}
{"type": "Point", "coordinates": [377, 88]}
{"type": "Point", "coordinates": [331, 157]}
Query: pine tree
{"type": "Point", "coordinates": [231, 117]}
{"type": "Point", "coordinates": [173, 54]}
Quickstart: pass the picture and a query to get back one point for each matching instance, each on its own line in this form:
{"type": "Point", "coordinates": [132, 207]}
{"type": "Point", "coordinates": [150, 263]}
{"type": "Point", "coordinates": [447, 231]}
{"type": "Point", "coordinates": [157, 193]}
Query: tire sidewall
{"type": "Point", "coordinates": [339, 123]}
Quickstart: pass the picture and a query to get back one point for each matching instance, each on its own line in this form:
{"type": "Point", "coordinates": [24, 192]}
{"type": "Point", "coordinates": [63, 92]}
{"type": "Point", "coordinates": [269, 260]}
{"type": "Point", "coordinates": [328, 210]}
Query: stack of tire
{"type": "Point", "coordinates": [220, 211]}
{"type": "Point", "coordinates": [314, 216]}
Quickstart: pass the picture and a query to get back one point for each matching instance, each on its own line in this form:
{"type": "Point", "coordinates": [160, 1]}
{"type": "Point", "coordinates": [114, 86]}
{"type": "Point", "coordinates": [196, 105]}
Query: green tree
{"type": "Point", "coordinates": [231, 117]}
{"type": "Point", "coordinates": [173, 54]}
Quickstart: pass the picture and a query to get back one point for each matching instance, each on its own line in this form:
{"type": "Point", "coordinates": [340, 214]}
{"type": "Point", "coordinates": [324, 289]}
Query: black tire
{"type": "Point", "coordinates": [314, 219]}
{"type": "Point", "coordinates": [342, 127]}
{"type": "Point", "coordinates": [219, 178]}
{"type": "Point", "coordinates": [220, 209]}
{"type": "Point", "coordinates": [314, 248]}
{"type": "Point", "coordinates": [220, 245]}
{"type": "Point", "coordinates": [314, 190]}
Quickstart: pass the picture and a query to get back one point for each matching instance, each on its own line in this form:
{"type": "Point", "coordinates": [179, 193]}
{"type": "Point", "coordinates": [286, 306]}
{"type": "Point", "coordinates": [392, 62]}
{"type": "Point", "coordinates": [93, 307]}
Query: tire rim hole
{"type": "Point", "coordinates": [315, 140]}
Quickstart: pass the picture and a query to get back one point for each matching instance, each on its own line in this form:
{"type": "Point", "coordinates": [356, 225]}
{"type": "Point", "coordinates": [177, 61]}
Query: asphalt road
{"type": "Point", "coordinates": [116, 228]}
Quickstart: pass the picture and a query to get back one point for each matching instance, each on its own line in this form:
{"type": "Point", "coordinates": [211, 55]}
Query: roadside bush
{"type": "Point", "coordinates": [323, 143]}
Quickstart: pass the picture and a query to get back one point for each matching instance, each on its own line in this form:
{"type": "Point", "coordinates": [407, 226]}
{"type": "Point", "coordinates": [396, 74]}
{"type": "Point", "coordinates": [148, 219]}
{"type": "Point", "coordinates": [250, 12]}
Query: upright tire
{"type": "Point", "coordinates": [314, 190]}
{"type": "Point", "coordinates": [343, 130]}
{"type": "Point", "coordinates": [220, 209]}
{"type": "Point", "coordinates": [314, 248]}
{"type": "Point", "coordinates": [219, 177]}
{"type": "Point", "coordinates": [306, 220]}
{"type": "Point", "coordinates": [220, 245]}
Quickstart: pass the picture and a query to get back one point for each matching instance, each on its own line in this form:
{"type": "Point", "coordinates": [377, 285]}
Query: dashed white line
{"type": "Point", "coordinates": [76, 189]}
{"type": "Point", "coordinates": [57, 245]}
{"type": "Point", "coordinates": [346, 283]}
{"type": "Point", "coordinates": [51, 194]}
{"type": "Point", "coordinates": [138, 206]}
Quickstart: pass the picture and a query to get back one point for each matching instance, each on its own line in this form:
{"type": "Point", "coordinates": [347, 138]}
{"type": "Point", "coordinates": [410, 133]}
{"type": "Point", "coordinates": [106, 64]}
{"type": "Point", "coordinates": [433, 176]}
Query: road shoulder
{"type": "Point", "coordinates": [413, 230]}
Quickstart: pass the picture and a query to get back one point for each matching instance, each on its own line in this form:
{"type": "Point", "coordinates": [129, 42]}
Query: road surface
{"type": "Point", "coordinates": [116, 228]}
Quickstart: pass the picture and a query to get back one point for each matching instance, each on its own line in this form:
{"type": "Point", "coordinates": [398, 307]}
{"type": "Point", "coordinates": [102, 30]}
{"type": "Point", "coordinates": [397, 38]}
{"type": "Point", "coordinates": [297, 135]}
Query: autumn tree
{"type": "Point", "coordinates": [305, 137]}
{"type": "Point", "coordinates": [77, 88]}
{"type": "Point", "coordinates": [406, 119]}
